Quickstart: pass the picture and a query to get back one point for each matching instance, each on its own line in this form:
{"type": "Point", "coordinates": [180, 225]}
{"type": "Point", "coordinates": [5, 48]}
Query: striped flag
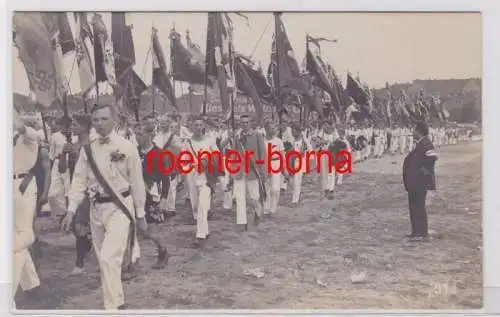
{"type": "Point", "coordinates": [103, 52]}
{"type": "Point", "coordinates": [35, 33]}
{"type": "Point", "coordinates": [83, 38]}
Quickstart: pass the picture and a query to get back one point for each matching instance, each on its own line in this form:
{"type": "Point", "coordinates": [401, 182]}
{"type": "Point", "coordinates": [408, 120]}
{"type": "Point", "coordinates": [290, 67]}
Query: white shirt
{"type": "Point", "coordinates": [287, 135]}
{"type": "Point", "coordinates": [131, 135]}
{"type": "Point", "coordinates": [123, 175]}
{"type": "Point", "coordinates": [57, 143]}
{"type": "Point", "coordinates": [185, 133]}
{"type": "Point", "coordinates": [25, 153]}
{"type": "Point", "coordinates": [301, 145]}
{"type": "Point", "coordinates": [328, 138]}
{"type": "Point", "coordinates": [206, 144]}
{"type": "Point", "coordinates": [276, 144]}
{"type": "Point", "coordinates": [161, 139]}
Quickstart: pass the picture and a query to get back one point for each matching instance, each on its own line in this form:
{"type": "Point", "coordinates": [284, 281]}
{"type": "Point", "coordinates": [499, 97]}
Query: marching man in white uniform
{"type": "Point", "coordinates": [298, 164]}
{"type": "Point", "coordinates": [110, 171]}
{"type": "Point", "coordinates": [25, 156]}
{"type": "Point", "coordinates": [274, 179]}
{"type": "Point", "coordinates": [166, 140]}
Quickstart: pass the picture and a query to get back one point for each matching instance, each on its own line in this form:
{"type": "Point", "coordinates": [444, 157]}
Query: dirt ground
{"type": "Point", "coordinates": [307, 257]}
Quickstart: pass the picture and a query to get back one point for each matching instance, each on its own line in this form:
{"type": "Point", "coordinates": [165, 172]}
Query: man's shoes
{"type": "Point", "coordinates": [162, 260]}
{"type": "Point", "coordinates": [200, 242]}
{"type": "Point", "coordinates": [123, 307]}
{"type": "Point", "coordinates": [242, 228]}
{"type": "Point", "coordinates": [256, 219]}
{"type": "Point", "coordinates": [77, 271]}
{"type": "Point", "coordinates": [129, 273]}
{"type": "Point", "coordinates": [417, 238]}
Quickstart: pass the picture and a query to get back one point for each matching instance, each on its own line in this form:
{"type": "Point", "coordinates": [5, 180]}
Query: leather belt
{"type": "Point", "coordinates": [106, 199]}
{"type": "Point", "coordinates": [20, 175]}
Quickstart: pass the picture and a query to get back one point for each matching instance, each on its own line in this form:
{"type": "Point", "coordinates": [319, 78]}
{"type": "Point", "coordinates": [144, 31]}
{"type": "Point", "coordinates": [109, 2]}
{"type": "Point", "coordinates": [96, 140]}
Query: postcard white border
{"type": "Point", "coordinates": [490, 10]}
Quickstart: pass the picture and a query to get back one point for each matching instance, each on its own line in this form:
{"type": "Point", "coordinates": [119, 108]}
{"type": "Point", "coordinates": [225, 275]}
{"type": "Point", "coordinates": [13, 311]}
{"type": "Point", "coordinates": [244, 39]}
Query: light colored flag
{"type": "Point", "coordinates": [34, 34]}
{"type": "Point", "coordinates": [85, 65]}
{"type": "Point", "coordinates": [104, 42]}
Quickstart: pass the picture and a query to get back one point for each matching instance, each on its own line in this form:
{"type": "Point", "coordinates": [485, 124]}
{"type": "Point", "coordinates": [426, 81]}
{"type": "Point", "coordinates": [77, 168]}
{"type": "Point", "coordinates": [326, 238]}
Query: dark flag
{"type": "Point", "coordinates": [135, 88]}
{"type": "Point", "coordinates": [282, 55]}
{"type": "Point", "coordinates": [123, 48]}
{"type": "Point", "coordinates": [317, 40]}
{"type": "Point", "coordinates": [160, 75]}
{"type": "Point", "coordinates": [65, 36]}
{"type": "Point", "coordinates": [317, 68]}
{"type": "Point", "coordinates": [356, 91]}
{"type": "Point", "coordinates": [258, 79]}
{"type": "Point", "coordinates": [220, 55]}
{"type": "Point", "coordinates": [188, 63]}
{"type": "Point", "coordinates": [246, 85]}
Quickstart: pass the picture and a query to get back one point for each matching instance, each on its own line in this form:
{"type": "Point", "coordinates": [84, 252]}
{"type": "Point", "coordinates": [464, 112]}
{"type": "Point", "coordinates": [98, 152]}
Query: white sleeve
{"type": "Point", "coordinates": [137, 183]}
{"type": "Point", "coordinates": [79, 182]}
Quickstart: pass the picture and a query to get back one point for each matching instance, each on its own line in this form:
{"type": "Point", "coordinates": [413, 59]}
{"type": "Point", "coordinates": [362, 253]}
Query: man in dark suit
{"type": "Point", "coordinates": [418, 178]}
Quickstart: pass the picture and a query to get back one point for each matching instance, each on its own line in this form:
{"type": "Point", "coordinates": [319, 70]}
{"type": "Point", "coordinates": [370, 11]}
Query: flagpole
{"type": "Point", "coordinates": [277, 83]}
{"type": "Point", "coordinates": [172, 60]}
{"type": "Point", "coordinates": [152, 75]}
{"type": "Point", "coordinates": [207, 47]}
{"type": "Point", "coordinates": [44, 125]}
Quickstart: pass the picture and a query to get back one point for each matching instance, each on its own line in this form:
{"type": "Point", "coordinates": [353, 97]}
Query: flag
{"type": "Point", "coordinates": [247, 86]}
{"type": "Point", "coordinates": [160, 74]}
{"type": "Point", "coordinates": [34, 40]}
{"type": "Point", "coordinates": [317, 40]}
{"type": "Point", "coordinates": [318, 69]}
{"type": "Point", "coordinates": [220, 59]}
{"type": "Point", "coordinates": [123, 48]}
{"type": "Point", "coordinates": [356, 91]}
{"type": "Point", "coordinates": [282, 55]}
{"type": "Point", "coordinates": [83, 38]}
{"type": "Point", "coordinates": [103, 52]}
{"type": "Point", "coordinates": [188, 63]}
{"type": "Point", "coordinates": [61, 80]}
{"type": "Point", "coordinates": [135, 88]}
{"type": "Point", "coordinates": [65, 35]}
{"type": "Point", "coordinates": [258, 79]}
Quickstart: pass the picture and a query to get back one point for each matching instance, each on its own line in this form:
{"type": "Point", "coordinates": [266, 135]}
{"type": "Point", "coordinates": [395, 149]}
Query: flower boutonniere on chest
{"type": "Point", "coordinates": [117, 156]}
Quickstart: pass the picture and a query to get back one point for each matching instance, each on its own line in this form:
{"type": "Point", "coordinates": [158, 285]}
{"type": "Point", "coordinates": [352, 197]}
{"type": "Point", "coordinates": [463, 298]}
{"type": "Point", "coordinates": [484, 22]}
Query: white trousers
{"type": "Point", "coordinates": [327, 177]}
{"type": "Point", "coordinates": [410, 143]}
{"type": "Point", "coordinates": [394, 144]}
{"type": "Point", "coordinates": [200, 196]}
{"type": "Point", "coordinates": [297, 178]}
{"type": "Point", "coordinates": [240, 188]}
{"type": "Point", "coordinates": [367, 151]}
{"type": "Point", "coordinates": [24, 211]}
{"type": "Point", "coordinates": [59, 187]}
{"type": "Point", "coordinates": [402, 144]}
{"type": "Point", "coordinates": [227, 195]}
{"type": "Point", "coordinates": [273, 189]}
{"type": "Point", "coordinates": [172, 193]}
{"type": "Point", "coordinates": [110, 230]}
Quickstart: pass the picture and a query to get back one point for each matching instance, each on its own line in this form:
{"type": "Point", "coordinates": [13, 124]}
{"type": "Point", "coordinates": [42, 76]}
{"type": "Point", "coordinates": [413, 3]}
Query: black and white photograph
{"type": "Point", "coordinates": [247, 160]}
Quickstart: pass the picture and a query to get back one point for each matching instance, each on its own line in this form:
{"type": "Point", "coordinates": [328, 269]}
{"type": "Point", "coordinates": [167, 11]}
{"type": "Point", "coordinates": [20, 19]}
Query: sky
{"type": "Point", "coordinates": [380, 47]}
